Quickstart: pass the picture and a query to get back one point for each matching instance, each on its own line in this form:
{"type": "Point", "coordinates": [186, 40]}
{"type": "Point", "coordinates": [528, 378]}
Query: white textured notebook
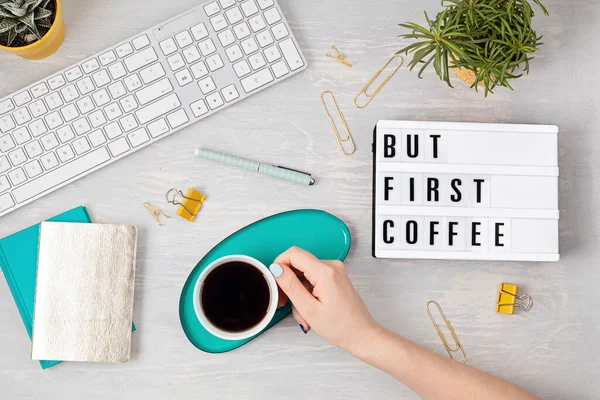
{"type": "Point", "coordinates": [84, 292]}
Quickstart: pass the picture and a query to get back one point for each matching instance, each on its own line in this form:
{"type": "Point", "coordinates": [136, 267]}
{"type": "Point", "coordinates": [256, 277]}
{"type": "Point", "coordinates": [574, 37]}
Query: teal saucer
{"type": "Point", "coordinates": [318, 232]}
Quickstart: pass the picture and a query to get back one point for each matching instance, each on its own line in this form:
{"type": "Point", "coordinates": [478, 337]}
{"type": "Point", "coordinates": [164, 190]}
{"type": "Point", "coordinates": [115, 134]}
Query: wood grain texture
{"type": "Point", "coordinates": [552, 350]}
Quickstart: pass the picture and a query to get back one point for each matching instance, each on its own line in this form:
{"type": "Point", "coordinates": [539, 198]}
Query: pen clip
{"type": "Point", "coordinates": [312, 180]}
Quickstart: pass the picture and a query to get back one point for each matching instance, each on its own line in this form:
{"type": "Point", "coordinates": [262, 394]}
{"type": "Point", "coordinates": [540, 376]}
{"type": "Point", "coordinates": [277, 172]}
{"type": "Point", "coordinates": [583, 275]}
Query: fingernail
{"type": "Point", "coordinates": [276, 270]}
{"type": "Point", "coordinates": [303, 329]}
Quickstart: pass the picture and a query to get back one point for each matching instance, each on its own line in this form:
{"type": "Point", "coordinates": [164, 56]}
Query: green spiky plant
{"type": "Point", "coordinates": [491, 38]}
{"type": "Point", "coordinates": [24, 18]}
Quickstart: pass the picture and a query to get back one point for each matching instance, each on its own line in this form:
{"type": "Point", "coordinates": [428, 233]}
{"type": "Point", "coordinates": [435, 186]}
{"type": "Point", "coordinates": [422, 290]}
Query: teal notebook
{"type": "Point", "coordinates": [18, 260]}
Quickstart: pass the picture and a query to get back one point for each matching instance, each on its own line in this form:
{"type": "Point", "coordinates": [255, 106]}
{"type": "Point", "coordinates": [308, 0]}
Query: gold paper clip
{"type": "Point", "coordinates": [348, 139]}
{"type": "Point", "coordinates": [189, 204]}
{"type": "Point", "coordinates": [507, 299]}
{"type": "Point", "coordinates": [155, 212]}
{"type": "Point", "coordinates": [365, 89]}
{"type": "Point", "coordinates": [457, 347]}
{"type": "Point", "coordinates": [339, 57]}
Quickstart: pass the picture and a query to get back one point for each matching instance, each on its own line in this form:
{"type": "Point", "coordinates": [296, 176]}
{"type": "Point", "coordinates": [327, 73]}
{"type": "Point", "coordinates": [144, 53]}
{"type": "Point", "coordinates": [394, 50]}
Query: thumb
{"type": "Point", "coordinates": [300, 297]}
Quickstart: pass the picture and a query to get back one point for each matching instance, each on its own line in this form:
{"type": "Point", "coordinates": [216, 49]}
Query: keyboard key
{"type": "Point", "coordinates": [280, 69]}
{"type": "Point", "coordinates": [242, 30]}
{"type": "Point", "coordinates": [207, 85]}
{"type": "Point", "coordinates": [113, 111]}
{"type": "Point", "coordinates": [124, 50]}
{"type": "Point", "coordinates": [6, 124]}
{"type": "Point", "coordinates": [101, 78]}
{"type": "Point", "coordinates": [6, 143]}
{"type": "Point", "coordinates": [81, 145]}
{"type": "Point", "coordinates": [183, 77]}
{"type": "Point", "coordinates": [21, 136]}
{"type": "Point", "coordinates": [249, 7]}
{"type": "Point", "coordinates": [154, 72]}
{"type": "Point", "coordinates": [257, 23]}
{"type": "Point", "coordinates": [117, 70]}
{"type": "Point", "coordinates": [242, 68]}
{"type": "Point", "coordinates": [4, 184]}
{"type": "Point", "coordinates": [264, 38]}
{"type": "Point", "coordinates": [218, 23]}
{"type": "Point", "coordinates": [226, 37]}
{"type": "Point", "coordinates": [6, 202]}
{"type": "Point", "coordinates": [257, 80]}
{"type": "Point", "coordinates": [199, 70]}
{"type": "Point", "coordinates": [128, 123]}
{"type": "Point", "coordinates": [65, 134]}
{"type": "Point", "coordinates": [158, 128]}
{"type": "Point", "coordinates": [264, 4]}
{"type": "Point", "coordinates": [272, 16]}
{"type": "Point", "coordinates": [53, 100]}
{"type": "Point", "coordinates": [22, 98]}
{"type": "Point", "coordinates": [69, 93]}
{"type": "Point", "coordinates": [158, 109]}
{"type": "Point", "coordinates": [140, 42]}
{"type": "Point", "coordinates": [199, 31]}
{"type": "Point", "coordinates": [128, 103]}
{"type": "Point", "coordinates": [199, 108]}
{"type": "Point", "coordinates": [56, 82]}
{"type": "Point", "coordinates": [69, 113]}
{"type": "Point", "coordinates": [37, 128]}
{"type": "Point", "coordinates": [133, 82]}
{"type": "Point", "coordinates": [53, 120]}
{"type": "Point", "coordinates": [191, 54]}
{"type": "Point", "coordinates": [6, 106]}
{"type": "Point", "coordinates": [117, 90]}
{"type": "Point", "coordinates": [49, 141]}
{"type": "Point", "coordinates": [211, 9]}
{"type": "Point", "coordinates": [272, 54]}
{"type": "Point", "coordinates": [184, 39]}
{"type": "Point", "coordinates": [38, 108]}
{"type": "Point", "coordinates": [113, 130]}
{"type": "Point", "coordinates": [214, 101]}
{"type": "Point", "coordinates": [207, 47]}
{"type": "Point", "coordinates": [141, 59]}
{"type": "Point", "coordinates": [39, 90]}
{"type": "Point", "coordinates": [73, 74]}
{"type": "Point", "coordinates": [85, 105]}
{"type": "Point", "coordinates": [177, 119]}
{"type": "Point", "coordinates": [17, 176]}
{"type": "Point", "coordinates": [290, 52]}
{"type": "Point", "coordinates": [280, 31]}
{"type": "Point", "coordinates": [257, 61]}
{"type": "Point", "coordinates": [101, 97]}
{"type": "Point", "coordinates": [230, 93]}
{"type": "Point", "coordinates": [85, 86]}
{"type": "Point", "coordinates": [97, 118]}
{"type": "Point", "coordinates": [4, 164]}
{"type": "Point", "coordinates": [65, 153]}
{"type": "Point", "coordinates": [154, 91]}
{"type": "Point", "coordinates": [97, 138]}
{"type": "Point", "coordinates": [249, 45]}
{"type": "Point", "coordinates": [49, 161]}
{"type": "Point", "coordinates": [90, 66]}
{"type": "Point", "coordinates": [119, 147]}
{"type": "Point", "coordinates": [138, 137]}
{"type": "Point", "coordinates": [234, 15]}
{"type": "Point", "coordinates": [168, 46]}
{"type": "Point", "coordinates": [33, 169]}
{"type": "Point", "coordinates": [33, 149]}
{"type": "Point", "coordinates": [176, 62]}
{"type": "Point", "coordinates": [227, 3]}
{"type": "Point", "coordinates": [234, 53]}
{"type": "Point", "coordinates": [215, 62]}
{"type": "Point", "coordinates": [61, 175]}
{"type": "Point", "coordinates": [82, 126]}
{"type": "Point", "coordinates": [107, 58]}
{"type": "Point", "coordinates": [22, 115]}
{"type": "Point", "coordinates": [17, 157]}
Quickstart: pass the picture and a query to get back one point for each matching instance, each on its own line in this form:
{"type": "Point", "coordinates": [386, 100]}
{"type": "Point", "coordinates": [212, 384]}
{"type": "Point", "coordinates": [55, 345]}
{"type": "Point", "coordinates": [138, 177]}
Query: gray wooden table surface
{"type": "Point", "coordinates": [553, 350]}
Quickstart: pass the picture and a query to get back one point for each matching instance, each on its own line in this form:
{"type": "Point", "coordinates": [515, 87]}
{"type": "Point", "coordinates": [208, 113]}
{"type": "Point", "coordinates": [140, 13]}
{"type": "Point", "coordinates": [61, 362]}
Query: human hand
{"type": "Point", "coordinates": [326, 301]}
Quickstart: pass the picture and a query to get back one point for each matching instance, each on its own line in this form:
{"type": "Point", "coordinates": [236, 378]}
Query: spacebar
{"type": "Point", "coordinates": [61, 175]}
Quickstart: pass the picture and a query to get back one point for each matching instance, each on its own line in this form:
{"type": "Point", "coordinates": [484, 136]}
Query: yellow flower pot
{"type": "Point", "coordinates": [50, 42]}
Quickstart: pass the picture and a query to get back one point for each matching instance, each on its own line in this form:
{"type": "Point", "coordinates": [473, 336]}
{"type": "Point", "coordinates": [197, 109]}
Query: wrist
{"type": "Point", "coordinates": [368, 342]}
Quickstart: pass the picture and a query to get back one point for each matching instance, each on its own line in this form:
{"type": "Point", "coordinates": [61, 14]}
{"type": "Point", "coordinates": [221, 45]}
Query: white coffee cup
{"type": "Point", "coordinates": [256, 329]}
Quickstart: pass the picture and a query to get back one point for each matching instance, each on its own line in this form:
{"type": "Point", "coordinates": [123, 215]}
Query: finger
{"type": "Point", "coordinates": [282, 298]}
{"type": "Point", "coordinates": [302, 261]}
{"type": "Point", "coordinates": [294, 289]}
{"type": "Point", "coordinates": [300, 320]}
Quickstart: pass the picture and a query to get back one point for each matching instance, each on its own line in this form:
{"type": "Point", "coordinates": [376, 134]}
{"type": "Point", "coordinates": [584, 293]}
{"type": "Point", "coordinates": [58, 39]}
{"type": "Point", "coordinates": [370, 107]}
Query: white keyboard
{"type": "Point", "coordinates": [139, 91]}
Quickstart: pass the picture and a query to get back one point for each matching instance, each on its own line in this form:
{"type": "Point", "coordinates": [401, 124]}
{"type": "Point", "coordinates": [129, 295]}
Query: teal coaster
{"type": "Point", "coordinates": [318, 232]}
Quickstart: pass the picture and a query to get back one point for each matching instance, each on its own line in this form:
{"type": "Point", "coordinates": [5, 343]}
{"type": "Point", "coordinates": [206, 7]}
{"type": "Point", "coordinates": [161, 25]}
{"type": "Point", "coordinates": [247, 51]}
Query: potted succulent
{"type": "Point", "coordinates": [31, 29]}
{"type": "Point", "coordinates": [486, 42]}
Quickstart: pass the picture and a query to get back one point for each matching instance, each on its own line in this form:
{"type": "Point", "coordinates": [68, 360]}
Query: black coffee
{"type": "Point", "coordinates": [235, 296]}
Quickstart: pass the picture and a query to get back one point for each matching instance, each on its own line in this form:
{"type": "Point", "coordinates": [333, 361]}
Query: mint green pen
{"type": "Point", "coordinates": [274, 171]}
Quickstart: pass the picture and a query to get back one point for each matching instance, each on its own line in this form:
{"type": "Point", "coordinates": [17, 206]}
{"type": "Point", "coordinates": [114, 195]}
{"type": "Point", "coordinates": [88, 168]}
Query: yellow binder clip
{"type": "Point", "coordinates": [508, 299]}
{"type": "Point", "coordinates": [189, 204]}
